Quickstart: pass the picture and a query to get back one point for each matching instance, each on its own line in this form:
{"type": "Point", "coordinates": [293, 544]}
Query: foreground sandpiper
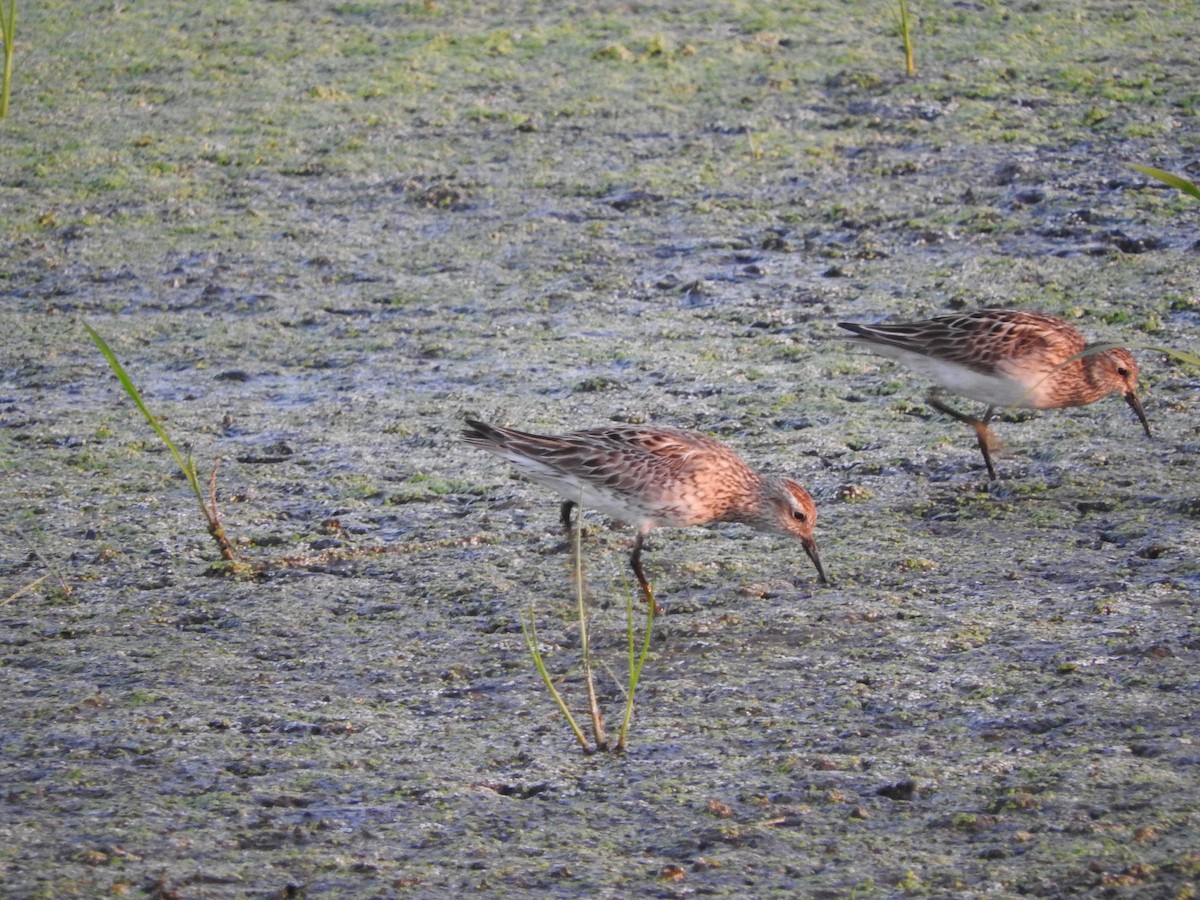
{"type": "Point", "coordinates": [1005, 357]}
{"type": "Point", "coordinates": [652, 477]}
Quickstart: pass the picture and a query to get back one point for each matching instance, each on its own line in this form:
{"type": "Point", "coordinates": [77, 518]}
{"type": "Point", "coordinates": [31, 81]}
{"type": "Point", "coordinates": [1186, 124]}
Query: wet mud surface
{"type": "Point", "coordinates": [319, 236]}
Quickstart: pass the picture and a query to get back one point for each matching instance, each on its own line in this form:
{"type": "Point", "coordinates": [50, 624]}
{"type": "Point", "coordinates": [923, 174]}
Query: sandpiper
{"type": "Point", "coordinates": [649, 477]}
{"type": "Point", "coordinates": [1005, 357]}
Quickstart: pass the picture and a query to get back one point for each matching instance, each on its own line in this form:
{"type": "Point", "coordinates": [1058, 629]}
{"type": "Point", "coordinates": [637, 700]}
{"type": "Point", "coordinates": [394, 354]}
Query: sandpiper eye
{"type": "Point", "coordinates": [1122, 371]}
{"type": "Point", "coordinates": [799, 515]}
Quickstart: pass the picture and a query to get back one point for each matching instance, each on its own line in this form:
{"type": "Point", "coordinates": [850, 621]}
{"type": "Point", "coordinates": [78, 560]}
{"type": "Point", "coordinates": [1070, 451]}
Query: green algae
{"type": "Point", "coordinates": [342, 228]}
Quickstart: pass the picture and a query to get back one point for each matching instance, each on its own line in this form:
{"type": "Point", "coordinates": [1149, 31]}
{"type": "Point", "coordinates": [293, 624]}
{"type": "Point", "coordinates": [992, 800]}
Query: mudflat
{"type": "Point", "coordinates": [320, 235]}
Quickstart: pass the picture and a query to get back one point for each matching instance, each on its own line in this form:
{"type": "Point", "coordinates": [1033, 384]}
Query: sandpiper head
{"type": "Point", "coordinates": [1118, 371]}
{"type": "Point", "coordinates": [793, 512]}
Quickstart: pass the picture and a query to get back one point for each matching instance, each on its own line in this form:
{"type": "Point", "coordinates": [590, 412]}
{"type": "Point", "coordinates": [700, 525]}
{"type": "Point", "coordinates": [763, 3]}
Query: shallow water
{"type": "Point", "coordinates": [319, 237]}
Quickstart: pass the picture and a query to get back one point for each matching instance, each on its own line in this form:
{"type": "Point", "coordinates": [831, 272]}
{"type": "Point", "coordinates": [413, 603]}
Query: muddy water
{"type": "Point", "coordinates": [318, 237]}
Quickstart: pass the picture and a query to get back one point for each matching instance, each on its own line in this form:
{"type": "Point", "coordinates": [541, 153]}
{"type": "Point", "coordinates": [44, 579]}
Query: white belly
{"type": "Point", "coordinates": [994, 390]}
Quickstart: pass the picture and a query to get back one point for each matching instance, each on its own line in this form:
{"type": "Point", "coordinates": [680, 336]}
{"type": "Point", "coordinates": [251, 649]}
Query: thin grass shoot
{"type": "Point", "coordinates": [186, 464]}
{"type": "Point", "coordinates": [531, 641]}
{"type": "Point", "coordinates": [1176, 181]}
{"type": "Point", "coordinates": [8, 32]}
{"type": "Point", "coordinates": [910, 60]}
{"type": "Point", "coordinates": [589, 678]}
{"type": "Point", "coordinates": [1184, 356]}
{"type": "Point", "coordinates": [637, 653]}
{"type": "Point", "coordinates": [23, 590]}
{"type": "Point", "coordinates": [637, 659]}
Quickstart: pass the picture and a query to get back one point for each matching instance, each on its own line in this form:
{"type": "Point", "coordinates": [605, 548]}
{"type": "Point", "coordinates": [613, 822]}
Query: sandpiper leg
{"type": "Point", "coordinates": [565, 515]}
{"type": "Point", "coordinates": [982, 433]}
{"type": "Point", "coordinates": [635, 560]}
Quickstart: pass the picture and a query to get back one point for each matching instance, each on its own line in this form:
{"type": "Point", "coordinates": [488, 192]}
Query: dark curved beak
{"type": "Point", "coordinates": [810, 547]}
{"type": "Point", "coordinates": [1136, 404]}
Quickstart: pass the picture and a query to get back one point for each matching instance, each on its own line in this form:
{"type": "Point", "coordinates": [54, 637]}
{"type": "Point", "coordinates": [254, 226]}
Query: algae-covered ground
{"type": "Point", "coordinates": [318, 235]}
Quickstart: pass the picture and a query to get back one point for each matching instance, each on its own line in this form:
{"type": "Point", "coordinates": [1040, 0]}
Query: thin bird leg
{"type": "Point", "coordinates": [565, 515]}
{"type": "Point", "coordinates": [635, 560]}
{"type": "Point", "coordinates": [982, 433]}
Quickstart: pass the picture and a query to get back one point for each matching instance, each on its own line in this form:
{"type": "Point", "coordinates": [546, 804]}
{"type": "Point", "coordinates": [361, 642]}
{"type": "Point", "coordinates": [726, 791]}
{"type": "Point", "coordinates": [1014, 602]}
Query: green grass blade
{"type": "Point", "coordinates": [1175, 181]}
{"type": "Point", "coordinates": [589, 678]}
{"type": "Point", "coordinates": [910, 61]}
{"type": "Point", "coordinates": [636, 661]}
{"type": "Point", "coordinates": [1184, 356]}
{"type": "Point", "coordinates": [8, 27]}
{"type": "Point", "coordinates": [187, 466]}
{"type": "Point", "coordinates": [530, 632]}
